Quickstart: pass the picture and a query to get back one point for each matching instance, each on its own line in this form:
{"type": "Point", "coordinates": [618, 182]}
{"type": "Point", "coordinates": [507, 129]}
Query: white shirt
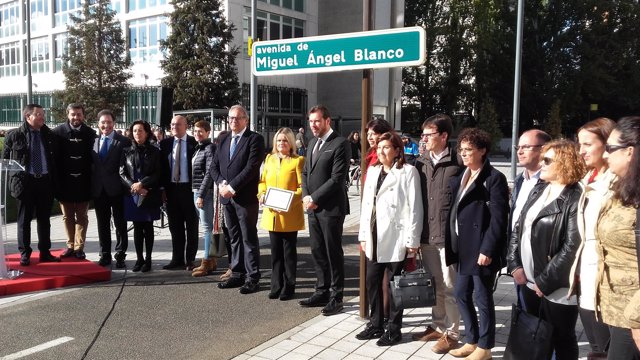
{"type": "Point", "coordinates": [435, 158]}
{"type": "Point", "coordinates": [523, 195]}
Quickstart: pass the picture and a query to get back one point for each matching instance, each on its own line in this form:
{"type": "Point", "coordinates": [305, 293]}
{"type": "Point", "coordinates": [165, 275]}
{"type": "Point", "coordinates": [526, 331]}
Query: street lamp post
{"type": "Point", "coordinates": [29, 79]}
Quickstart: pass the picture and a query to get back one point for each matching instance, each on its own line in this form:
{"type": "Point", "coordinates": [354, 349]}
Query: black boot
{"type": "Point", "coordinates": [147, 265]}
{"type": "Point", "coordinates": [138, 266]}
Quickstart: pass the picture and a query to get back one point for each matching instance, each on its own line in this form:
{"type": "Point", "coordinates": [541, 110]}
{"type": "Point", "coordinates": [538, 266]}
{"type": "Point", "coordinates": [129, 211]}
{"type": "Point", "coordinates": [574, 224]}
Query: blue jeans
{"type": "Point", "coordinates": [206, 219]}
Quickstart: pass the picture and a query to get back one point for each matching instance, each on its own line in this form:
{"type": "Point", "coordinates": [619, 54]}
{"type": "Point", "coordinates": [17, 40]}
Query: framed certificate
{"type": "Point", "coordinates": [278, 199]}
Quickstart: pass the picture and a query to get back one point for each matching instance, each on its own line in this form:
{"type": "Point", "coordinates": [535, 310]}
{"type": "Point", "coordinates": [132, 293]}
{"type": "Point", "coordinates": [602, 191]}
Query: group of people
{"type": "Point", "coordinates": [565, 232]}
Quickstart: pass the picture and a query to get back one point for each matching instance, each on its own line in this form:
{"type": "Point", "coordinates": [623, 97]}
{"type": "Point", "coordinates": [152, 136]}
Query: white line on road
{"type": "Point", "coordinates": [35, 349]}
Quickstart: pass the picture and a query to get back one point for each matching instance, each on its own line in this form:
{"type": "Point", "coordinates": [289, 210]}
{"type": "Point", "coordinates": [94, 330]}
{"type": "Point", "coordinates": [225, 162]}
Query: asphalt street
{"type": "Point", "coordinates": [163, 314]}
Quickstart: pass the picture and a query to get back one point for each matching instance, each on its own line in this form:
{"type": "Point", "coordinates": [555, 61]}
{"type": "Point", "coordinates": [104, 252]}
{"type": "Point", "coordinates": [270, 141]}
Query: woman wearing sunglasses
{"type": "Point", "coordinates": [618, 291]}
{"type": "Point", "coordinates": [544, 243]}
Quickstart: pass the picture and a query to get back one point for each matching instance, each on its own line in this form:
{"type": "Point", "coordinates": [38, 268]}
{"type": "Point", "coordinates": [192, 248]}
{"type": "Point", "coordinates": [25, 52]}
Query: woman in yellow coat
{"type": "Point", "coordinates": [283, 170]}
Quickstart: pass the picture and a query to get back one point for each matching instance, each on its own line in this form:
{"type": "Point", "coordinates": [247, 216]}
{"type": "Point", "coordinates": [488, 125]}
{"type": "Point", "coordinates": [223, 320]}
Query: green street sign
{"type": "Point", "coordinates": [351, 51]}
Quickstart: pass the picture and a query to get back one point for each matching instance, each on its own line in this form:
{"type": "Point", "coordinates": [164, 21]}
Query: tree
{"type": "Point", "coordinates": [553, 126]}
{"type": "Point", "coordinates": [200, 61]}
{"type": "Point", "coordinates": [96, 66]}
{"type": "Point", "coordinates": [488, 121]}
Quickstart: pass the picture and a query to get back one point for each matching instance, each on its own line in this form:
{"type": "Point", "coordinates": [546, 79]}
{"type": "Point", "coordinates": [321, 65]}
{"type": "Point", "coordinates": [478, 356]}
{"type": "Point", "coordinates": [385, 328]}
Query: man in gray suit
{"type": "Point", "coordinates": [325, 199]}
{"type": "Point", "coordinates": [107, 190]}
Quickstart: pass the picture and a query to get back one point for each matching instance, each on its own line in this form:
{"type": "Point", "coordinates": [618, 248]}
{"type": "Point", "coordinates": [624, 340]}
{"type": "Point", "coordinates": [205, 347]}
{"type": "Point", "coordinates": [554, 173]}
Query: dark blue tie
{"type": "Point", "coordinates": [104, 149]}
{"type": "Point", "coordinates": [234, 143]}
{"type": "Point", "coordinates": [36, 154]}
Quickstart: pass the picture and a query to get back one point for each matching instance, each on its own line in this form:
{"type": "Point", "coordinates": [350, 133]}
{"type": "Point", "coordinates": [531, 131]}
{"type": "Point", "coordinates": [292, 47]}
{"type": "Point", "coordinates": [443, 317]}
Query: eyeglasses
{"type": "Point", "coordinates": [235, 118]}
{"type": "Point", "coordinates": [465, 150]}
{"type": "Point", "coordinates": [547, 161]}
{"type": "Point", "coordinates": [610, 148]}
{"type": "Point", "coordinates": [525, 147]}
{"type": "Point", "coordinates": [428, 135]}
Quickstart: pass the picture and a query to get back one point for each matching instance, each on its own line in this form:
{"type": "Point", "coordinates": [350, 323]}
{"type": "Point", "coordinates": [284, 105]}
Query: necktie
{"type": "Point", "coordinates": [36, 154]}
{"type": "Point", "coordinates": [176, 163]}
{"type": "Point", "coordinates": [315, 150]}
{"type": "Point", "coordinates": [104, 148]}
{"type": "Point", "coordinates": [234, 143]}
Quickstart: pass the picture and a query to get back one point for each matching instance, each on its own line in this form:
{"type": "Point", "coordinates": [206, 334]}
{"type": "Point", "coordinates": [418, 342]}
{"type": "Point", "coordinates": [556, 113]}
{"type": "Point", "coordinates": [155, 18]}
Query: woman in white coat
{"type": "Point", "coordinates": [390, 227]}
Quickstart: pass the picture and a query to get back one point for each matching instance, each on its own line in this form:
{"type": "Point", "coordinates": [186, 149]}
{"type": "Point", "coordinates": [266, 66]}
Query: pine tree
{"type": "Point", "coordinates": [200, 61]}
{"type": "Point", "coordinates": [97, 66]}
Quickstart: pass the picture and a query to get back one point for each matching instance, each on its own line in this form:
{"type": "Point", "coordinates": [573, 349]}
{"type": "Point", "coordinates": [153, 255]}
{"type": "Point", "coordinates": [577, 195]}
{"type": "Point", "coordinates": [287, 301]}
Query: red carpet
{"type": "Point", "coordinates": [45, 276]}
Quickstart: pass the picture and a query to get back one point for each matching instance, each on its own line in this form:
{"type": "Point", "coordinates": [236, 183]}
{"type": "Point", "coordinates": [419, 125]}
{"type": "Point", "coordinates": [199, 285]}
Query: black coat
{"type": "Point", "coordinates": [106, 171]}
{"type": "Point", "coordinates": [482, 222]}
{"type": "Point", "coordinates": [149, 171]}
{"type": "Point", "coordinates": [17, 146]}
{"type": "Point", "coordinates": [74, 161]}
{"type": "Point", "coordinates": [554, 238]}
{"type": "Point", "coordinates": [202, 160]}
{"type": "Point", "coordinates": [166, 149]}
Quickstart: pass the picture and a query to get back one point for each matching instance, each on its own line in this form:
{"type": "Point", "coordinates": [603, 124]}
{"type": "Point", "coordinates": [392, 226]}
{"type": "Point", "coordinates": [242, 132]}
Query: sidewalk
{"type": "Point", "coordinates": [322, 337]}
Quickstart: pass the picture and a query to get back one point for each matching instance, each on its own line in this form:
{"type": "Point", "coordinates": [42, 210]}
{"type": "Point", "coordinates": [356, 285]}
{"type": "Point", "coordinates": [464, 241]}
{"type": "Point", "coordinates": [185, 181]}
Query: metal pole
{"type": "Point", "coordinates": [367, 109]}
{"type": "Point", "coordinates": [516, 88]}
{"type": "Point", "coordinates": [253, 101]}
{"type": "Point", "coordinates": [29, 79]}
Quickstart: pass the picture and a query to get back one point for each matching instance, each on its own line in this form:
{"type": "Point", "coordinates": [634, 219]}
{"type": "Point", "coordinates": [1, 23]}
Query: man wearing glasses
{"type": "Point", "coordinates": [436, 167]}
{"type": "Point", "coordinates": [529, 150]}
{"type": "Point", "coordinates": [236, 171]}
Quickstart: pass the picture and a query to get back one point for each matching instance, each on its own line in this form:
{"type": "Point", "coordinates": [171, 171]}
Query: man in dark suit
{"type": "Point", "coordinates": [175, 154]}
{"type": "Point", "coordinates": [32, 145]}
{"type": "Point", "coordinates": [325, 200]}
{"type": "Point", "coordinates": [236, 171]}
{"type": "Point", "coordinates": [73, 184]}
{"type": "Point", "coordinates": [107, 190]}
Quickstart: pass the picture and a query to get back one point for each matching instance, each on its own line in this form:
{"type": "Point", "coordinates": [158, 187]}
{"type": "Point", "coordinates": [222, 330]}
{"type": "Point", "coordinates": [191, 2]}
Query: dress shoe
{"type": "Point", "coordinates": [104, 261]}
{"type": "Point", "coordinates": [429, 334]}
{"type": "Point", "coordinates": [274, 295]}
{"type": "Point", "coordinates": [464, 351]}
{"type": "Point", "coordinates": [389, 338]}
{"type": "Point", "coordinates": [480, 354]}
{"type": "Point", "coordinates": [120, 256]}
{"type": "Point", "coordinates": [138, 266]}
{"type": "Point", "coordinates": [249, 287]}
{"type": "Point", "coordinates": [316, 300]}
{"type": "Point", "coordinates": [284, 296]}
{"type": "Point", "coordinates": [370, 332]}
{"type": "Point", "coordinates": [80, 255]}
{"type": "Point", "coordinates": [47, 257]}
{"type": "Point", "coordinates": [25, 260]}
{"type": "Point", "coordinates": [444, 344]}
{"type": "Point", "coordinates": [333, 307]}
{"type": "Point", "coordinates": [67, 253]}
{"type": "Point", "coordinates": [234, 282]}
{"type": "Point", "coordinates": [147, 266]}
{"type": "Point", "coordinates": [190, 266]}
{"type": "Point", "coordinates": [226, 276]}
{"type": "Point", "coordinates": [172, 265]}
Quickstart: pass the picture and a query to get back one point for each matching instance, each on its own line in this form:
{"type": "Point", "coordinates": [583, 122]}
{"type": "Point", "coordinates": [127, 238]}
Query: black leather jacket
{"type": "Point", "coordinates": [554, 238]}
{"type": "Point", "coordinates": [150, 171]}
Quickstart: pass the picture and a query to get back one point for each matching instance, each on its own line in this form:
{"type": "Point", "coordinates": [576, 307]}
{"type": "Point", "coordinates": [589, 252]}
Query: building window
{"type": "Point", "coordinates": [40, 55]}
{"type": "Point", "coordinates": [298, 5]}
{"type": "Point", "coordinates": [40, 15]}
{"type": "Point", "coordinates": [60, 49]}
{"type": "Point", "coordinates": [62, 10]}
{"type": "Point", "coordinates": [271, 27]}
{"type": "Point", "coordinates": [144, 39]}
{"type": "Point", "coordinates": [144, 4]}
{"type": "Point", "coordinates": [9, 59]}
{"type": "Point", "coordinates": [9, 19]}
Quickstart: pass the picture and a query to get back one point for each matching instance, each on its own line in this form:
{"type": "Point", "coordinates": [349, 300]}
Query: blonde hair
{"type": "Point", "coordinates": [291, 139]}
{"type": "Point", "coordinates": [571, 166]}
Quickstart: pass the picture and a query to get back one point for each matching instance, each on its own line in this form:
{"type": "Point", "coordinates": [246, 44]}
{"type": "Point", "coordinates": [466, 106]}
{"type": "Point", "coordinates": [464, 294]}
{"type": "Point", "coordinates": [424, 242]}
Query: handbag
{"type": "Point", "coordinates": [529, 336]}
{"type": "Point", "coordinates": [218, 247]}
{"type": "Point", "coordinates": [414, 289]}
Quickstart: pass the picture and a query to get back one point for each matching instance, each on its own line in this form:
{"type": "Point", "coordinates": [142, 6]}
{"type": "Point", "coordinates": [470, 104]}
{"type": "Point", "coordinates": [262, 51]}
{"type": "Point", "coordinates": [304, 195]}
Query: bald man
{"type": "Point", "coordinates": [176, 152]}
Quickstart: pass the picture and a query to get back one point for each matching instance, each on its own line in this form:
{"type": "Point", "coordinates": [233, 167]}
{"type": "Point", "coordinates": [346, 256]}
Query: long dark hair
{"type": "Point", "coordinates": [626, 189]}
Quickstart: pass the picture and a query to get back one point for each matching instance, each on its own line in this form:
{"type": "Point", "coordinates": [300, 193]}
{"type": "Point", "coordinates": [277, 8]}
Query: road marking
{"type": "Point", "coordinates": [35, 349]}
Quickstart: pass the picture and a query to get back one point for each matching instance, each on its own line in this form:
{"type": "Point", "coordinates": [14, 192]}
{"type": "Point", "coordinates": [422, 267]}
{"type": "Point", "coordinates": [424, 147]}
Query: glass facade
{"type": "Point", "coordinates": [40, 55]}
{"type": "Point", "coordinates": [271, 27]}
{"type": "Point", "coordinates": [297, 5]}
{"type": "Point", "coordinates": [60, 48]}
{"type": "Point", "coordinates": [40, 15]}
{"type": "Point", "coordinates": [9, 19]}
{"type": "Point", "coordinates": [134, 5]}
{"type": "Point", "coordinates": [10, 59]}
{"type": "Point", "coordinates": [144, 39]}
{"type": "Point", "coordinates": [62, 10]}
